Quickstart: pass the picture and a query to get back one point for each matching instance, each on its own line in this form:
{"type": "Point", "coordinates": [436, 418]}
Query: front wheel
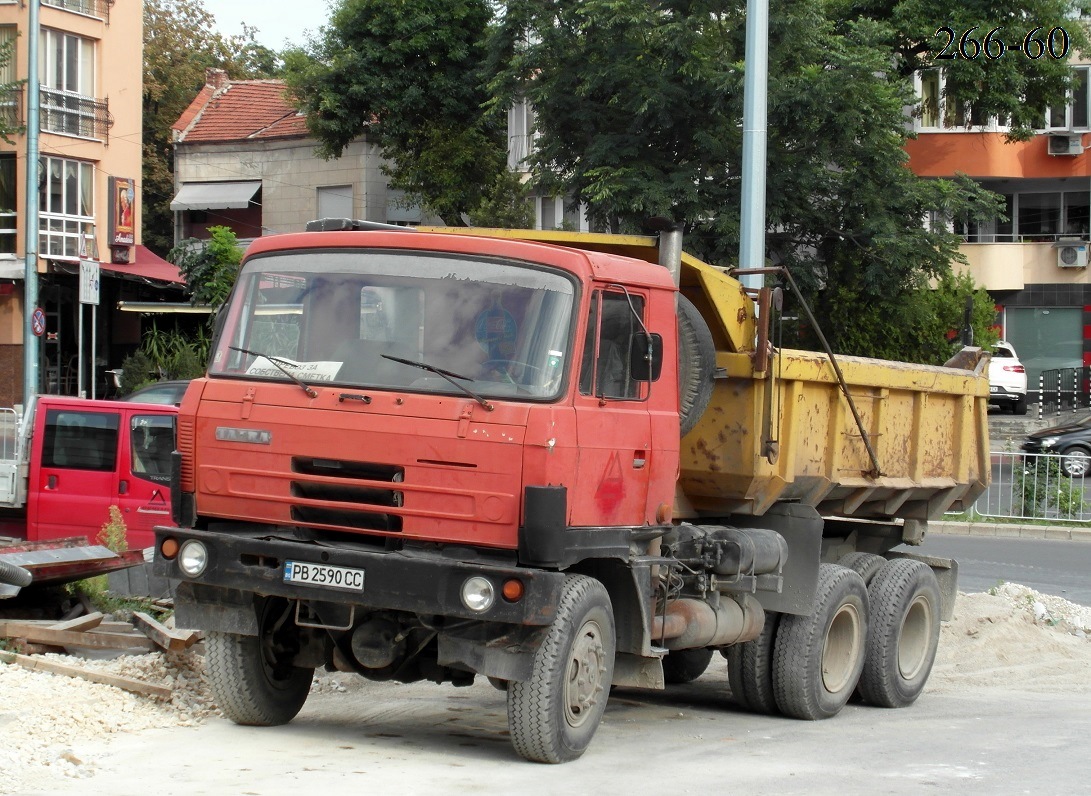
{"type": "Point", "coordinates": [252, 678]}
{"type": "Point", "coordinates": [818, 658]}
{"type": "Point", "coordinates": [553, 715]}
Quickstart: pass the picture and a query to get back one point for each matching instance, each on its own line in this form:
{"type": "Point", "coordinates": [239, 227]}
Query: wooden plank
{"type": "Point", "coordinates": [127, 683]}
{"type": "Point", "coordinates": [80, 622]}
{"type": "Point", "coordinates": [165, 637]}
{"type": "Point", "coordinates": [75, 638]}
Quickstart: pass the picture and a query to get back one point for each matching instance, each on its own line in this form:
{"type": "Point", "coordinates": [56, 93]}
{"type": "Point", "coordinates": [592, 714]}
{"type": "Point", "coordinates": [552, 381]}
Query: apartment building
{"type": "Point", "coordinates": [88, 193]}
{"type": "Point", "coordinates": [1034, 261]}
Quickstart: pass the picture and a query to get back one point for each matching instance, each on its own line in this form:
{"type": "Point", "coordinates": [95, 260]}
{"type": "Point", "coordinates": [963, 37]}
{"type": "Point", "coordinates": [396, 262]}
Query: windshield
{"type": "Point", "coordinates": [381, 319]}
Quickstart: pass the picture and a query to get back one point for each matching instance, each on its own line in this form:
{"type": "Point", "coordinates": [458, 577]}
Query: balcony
{"type": "Point", "coordinates": [1013, 266]}
{"type": "Point", "coordinates": [99, 9]}
{"type": "Point", "coordinates": [11, 108]}
{"type": "Point", "coordinates": [72, 114]}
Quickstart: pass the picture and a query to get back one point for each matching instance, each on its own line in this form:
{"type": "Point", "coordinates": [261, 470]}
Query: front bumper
{"type": "Point", "coordinates": [422, 582]}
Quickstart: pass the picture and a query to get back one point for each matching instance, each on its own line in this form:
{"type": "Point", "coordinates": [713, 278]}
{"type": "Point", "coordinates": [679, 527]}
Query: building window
{"type": "Point", "coordinates": [939, 112]}
{"type": "Point", "coordinates": [67, 66]}
{"type": "Point", "coordinates": [1073, 115]}
{"type": "Point", "coordinates": [335, 201]}
{"type": "Point", "coordinates": [8, 206]}
{"type": "Point", "coordinates": [521, 135]}
{"type": "Point", "coordinates": [66, 208]}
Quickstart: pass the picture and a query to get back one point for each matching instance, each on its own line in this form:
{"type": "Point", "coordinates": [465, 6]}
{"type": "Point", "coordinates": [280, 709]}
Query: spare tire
{"type": "Point", "coordinates": [696, 364]}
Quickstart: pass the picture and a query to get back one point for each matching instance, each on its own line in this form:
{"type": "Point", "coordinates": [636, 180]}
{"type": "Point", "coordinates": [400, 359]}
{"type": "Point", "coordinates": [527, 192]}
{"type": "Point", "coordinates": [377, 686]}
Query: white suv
{"type": "Point", "coordinates": [1007, 379]}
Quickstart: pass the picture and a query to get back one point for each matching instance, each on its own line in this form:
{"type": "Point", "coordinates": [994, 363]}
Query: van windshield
{"type": "Point", "coordinates": [347, 317]}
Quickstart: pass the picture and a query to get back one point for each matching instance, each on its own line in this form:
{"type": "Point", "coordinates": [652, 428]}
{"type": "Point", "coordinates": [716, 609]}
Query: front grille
{"type": "Point", "coordinates": [186, 437]}
{"type": "Point", "coordinates": [361, 483]}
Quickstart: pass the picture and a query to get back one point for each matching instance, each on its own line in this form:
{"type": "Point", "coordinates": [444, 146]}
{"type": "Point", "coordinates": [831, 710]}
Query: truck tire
{"type": "Point", "coordinates": [552, 717]}
{"type": "Point", "coordinates": [15, 575]}
{"type": "Point", "coordinates": [685, 666]}
{"type": "Point", "coordinates": [750, 669]}
{"type": "Point", "coordinates": [818, 658]}
{"type": "Point", "coordinates": [903, 633]}
{"type": "Point", "coordinates": [696, 364]}
{"type": "Point", "coordinates": [251, 677]}
{"type": "Point", "coordinates": [866, 565]}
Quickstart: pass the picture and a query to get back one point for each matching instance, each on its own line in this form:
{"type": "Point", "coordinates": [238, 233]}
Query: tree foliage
{"type": "Point", "coordinates": [210, 267]}
{"type": "Point", "coordinates": [639, 109]}
{"type": "Point", "coordinates": [9, 122]}
{"type": "Point", "coordinates": [409, 74]}
{"type": "Point", "coordinates": [180, 44]}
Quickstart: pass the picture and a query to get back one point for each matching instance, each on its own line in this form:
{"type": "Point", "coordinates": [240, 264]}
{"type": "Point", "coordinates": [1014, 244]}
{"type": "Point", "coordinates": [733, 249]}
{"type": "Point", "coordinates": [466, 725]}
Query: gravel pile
{"type": "Point", "coordinates": [1012, 638]}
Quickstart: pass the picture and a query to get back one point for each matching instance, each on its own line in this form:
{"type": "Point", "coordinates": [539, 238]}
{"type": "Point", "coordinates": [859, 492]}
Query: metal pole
{"type": "Point", "coordinates": [94, 349]}
{"type": "Point", "coordinates": [755, 113]}
{"type": "Point", "coordinates": [79, 358]}
{"type": "Point", "coordinates": [30, 276]}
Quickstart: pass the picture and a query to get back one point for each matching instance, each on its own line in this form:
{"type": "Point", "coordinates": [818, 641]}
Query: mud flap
{"type": "Point", "coordinates": [946, 570]}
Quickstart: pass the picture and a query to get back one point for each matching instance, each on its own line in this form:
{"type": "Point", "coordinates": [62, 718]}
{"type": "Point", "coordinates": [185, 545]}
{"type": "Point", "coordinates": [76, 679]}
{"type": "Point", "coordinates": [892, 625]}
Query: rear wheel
{"type": "Point", "coordinates": [685, 666]}
{"type": "Point", "coordinates": [750, 669]}
{"type": "Point", "coordinates": [252, 678]}
{"type": "Point", "coordinates": [866, 565]}
{"type": "Point", "coordinates": [818, 658]}
{"type": "Point", "coordinates": [553, 715]}
{"type": "Point", "coordinates": [903, 634]}
{"type": "Point", "coordinates": [1076, 462]}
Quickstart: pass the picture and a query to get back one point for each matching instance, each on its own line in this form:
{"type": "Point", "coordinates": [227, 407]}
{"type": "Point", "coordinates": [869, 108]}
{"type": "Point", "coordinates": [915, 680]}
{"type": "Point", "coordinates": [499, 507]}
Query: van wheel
{"type": "Point", "coordinates": [818, 658]}
{"type": "Point", "coordinates": [252, 678]}
{"type": "Point", "coordinates": [696, 364]}
{"type": "Point", "coordinates": [903, 634]}
{"type": "Point", "coordinates": [552, 717]}
{"type": "Point", "coordinates": [750, 669]}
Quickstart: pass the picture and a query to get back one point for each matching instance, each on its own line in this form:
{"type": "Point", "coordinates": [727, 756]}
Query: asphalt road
{"type": "Point", "coordinates": [1050, 566]}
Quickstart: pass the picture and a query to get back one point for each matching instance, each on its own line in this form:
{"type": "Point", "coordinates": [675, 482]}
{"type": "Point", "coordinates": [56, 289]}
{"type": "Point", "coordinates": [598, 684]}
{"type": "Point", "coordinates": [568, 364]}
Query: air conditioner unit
{"type": "Point", "coordinates": [1071, 255]}
{"type": "Point", "coordinates": [1065, 144]}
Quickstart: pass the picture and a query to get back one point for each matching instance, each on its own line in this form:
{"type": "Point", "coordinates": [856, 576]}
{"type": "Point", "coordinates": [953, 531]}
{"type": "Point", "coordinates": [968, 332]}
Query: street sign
{"type": "Point", "coordinates": [37, 322]}
{"type": "Point", "coordinates": [89, 281]}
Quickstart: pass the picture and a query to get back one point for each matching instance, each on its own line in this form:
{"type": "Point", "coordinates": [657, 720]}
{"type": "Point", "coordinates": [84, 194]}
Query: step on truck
{"type": "Point", "coordinates": [64, 462]}
{"type": "Point", "coordinates": [561, 461]}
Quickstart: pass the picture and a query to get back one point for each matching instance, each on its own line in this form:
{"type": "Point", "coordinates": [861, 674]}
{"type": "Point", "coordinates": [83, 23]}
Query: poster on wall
{"type": "Point", "coordinates": [122, 211]}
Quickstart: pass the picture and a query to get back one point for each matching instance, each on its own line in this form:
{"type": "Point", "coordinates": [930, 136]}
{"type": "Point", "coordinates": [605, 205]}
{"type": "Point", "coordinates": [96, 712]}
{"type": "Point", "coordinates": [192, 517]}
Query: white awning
{"type": "Point", "coordinates": [12, 269]}
{"type": "Point", "coordinates": [215, 195]}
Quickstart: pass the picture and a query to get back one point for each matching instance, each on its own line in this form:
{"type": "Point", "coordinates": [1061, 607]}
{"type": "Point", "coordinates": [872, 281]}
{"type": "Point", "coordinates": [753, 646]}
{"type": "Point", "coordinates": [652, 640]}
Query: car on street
{"type": "Point", "coordinates": [1007, 379]}
{"type": "Point", "coordinates": [162, 392]}
{"type": "Point", "coordinates": [1070, 440]}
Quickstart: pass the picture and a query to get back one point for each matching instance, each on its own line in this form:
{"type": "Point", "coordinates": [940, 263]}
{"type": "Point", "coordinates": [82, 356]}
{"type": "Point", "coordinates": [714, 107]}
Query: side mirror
{"type": "Point", "coordinates": [646, 357]}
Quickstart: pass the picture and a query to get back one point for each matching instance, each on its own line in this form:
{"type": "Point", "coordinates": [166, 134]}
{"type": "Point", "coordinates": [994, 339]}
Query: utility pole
{"type": "Point", "coordinates": [754, 123]}
{"type": "Point", "coordinates": [30, 301]}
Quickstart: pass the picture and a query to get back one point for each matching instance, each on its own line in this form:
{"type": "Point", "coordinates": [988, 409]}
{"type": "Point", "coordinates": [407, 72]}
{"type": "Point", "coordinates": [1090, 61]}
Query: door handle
{"type": "Point", "coordinates": [51, 482]}
{"type": "Point", "coordinates": [123, 487]}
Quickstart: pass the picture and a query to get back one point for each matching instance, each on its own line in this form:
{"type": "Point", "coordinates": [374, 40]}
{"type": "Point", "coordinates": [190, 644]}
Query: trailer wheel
{"type": "Point", "coordinates": [750, 669]}
{"type": "Point", "coordinates": [818, 658]}
{"type": "Point", "coordinates": [696, 363]}
{"type": "Point", "coordinates": [866, 565]}
{"type": "Point", "coordinates": [251, 677]}
{"type": "Point", "coordinates": [903, 635]}
{"type": "Point", "coordinates": [685, 666]}
{"type": "Point", "coordinates": [553, 715]}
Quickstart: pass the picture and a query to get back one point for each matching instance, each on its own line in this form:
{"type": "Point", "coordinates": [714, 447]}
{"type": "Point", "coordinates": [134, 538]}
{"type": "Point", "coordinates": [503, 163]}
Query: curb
{"type": "Point", "coordinates": [1006, 531]}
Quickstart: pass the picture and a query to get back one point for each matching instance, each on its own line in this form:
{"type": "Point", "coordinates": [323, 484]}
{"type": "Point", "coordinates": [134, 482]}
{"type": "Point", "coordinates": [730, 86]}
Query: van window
{"type": "Point", "coordinates": [152, 440]}
{"type": "Point", "coordinates": [80, 440]}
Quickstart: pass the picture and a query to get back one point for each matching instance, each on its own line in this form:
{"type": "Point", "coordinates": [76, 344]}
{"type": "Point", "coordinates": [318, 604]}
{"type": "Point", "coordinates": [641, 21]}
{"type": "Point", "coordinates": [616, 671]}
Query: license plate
{"type": "Point", "coordinates": [308, 574]}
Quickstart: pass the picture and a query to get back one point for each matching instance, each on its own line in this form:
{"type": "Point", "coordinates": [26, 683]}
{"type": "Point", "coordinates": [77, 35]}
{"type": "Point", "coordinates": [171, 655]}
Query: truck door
{"type": "Point", "coordinates": [73, 485]}
{"type": "Point", "coordinates": [613, 424]}
{"type": "Point", "coordinates": [144, 475]}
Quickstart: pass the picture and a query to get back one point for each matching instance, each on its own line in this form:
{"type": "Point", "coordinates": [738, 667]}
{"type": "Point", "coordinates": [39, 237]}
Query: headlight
{"type": "Point", "coordinates": [478, 594]}
{"type": "Point", "coordinates": [1048, 442]}
{"type": "Point", "coordinates": [193, 558]}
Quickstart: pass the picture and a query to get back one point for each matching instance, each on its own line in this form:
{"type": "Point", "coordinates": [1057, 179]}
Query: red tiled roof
{"type": "Point", "coordinates": [240, 110]}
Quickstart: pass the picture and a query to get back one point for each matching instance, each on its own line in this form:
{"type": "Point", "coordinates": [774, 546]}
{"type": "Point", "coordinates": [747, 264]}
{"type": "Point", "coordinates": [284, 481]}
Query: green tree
{"type": "Point", "coordinates": [180, 44]}
{"type": "Point", "coordinates": [638, 114]}
{"type": "Point", "coordinates": [411, 75]}
{"type": "Point", "coordinates": [210, 267]}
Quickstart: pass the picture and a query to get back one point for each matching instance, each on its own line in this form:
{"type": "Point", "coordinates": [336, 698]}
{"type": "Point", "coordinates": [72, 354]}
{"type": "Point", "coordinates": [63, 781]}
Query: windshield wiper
{"type": "Point", "coordinates": [306, 387]}
{"type": "Point", "coordinates": [447, 374]}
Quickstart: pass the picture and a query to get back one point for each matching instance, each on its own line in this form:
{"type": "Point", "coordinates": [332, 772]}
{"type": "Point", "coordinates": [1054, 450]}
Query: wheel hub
{"type": "Point", "coordinates": [586, 672]}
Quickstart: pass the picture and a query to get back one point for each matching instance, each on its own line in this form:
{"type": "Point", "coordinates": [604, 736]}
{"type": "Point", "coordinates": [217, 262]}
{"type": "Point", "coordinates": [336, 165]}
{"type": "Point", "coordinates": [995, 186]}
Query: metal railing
{"type": "Point", "coordinates": [74, 114]}
{"type": "Point", "coordinates": [1063, 390]}
{"type": "Point", "coordinates": [92, 8]}
{"type": "Point", "coordinates": [1038, 486]}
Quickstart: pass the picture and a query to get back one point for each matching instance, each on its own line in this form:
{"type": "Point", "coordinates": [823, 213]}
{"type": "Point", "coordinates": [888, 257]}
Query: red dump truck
{"type": "Point", "coordinates": [560, 461]}
{"type": "Point", "coordinates": [63, 463]}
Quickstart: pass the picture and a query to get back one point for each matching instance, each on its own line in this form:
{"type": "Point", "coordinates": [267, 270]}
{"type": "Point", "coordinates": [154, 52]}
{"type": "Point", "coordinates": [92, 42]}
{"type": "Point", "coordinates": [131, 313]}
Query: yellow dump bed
{"type": "Point", "coordinates": [788, 432]}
